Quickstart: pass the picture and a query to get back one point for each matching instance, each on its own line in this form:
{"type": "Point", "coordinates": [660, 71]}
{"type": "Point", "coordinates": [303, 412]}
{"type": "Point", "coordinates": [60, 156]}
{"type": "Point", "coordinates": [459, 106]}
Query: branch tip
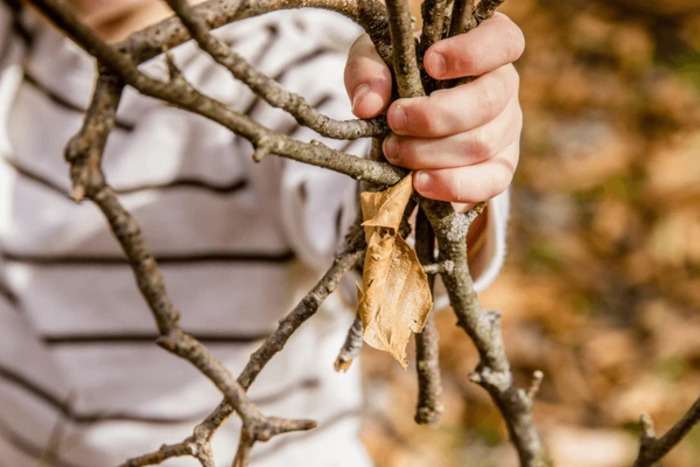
{"type": "Point", "coordinates": [351, 347]}
{"type": "Point", "coordinates": [260, 153]}
{"type": "Point", "coordinates": [537, 377]}
{"type": "Point", "coordinates": [646, 423]}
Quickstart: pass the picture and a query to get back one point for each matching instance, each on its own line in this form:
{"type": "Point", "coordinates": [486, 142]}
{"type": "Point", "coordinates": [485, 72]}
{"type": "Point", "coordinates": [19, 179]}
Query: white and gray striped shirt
{"type": "Point", "coordinates": [238, 243]}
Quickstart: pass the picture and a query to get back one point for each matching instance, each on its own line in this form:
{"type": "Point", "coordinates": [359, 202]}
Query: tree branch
{"type": "Point", "coordinates": [651, 448]}
{"type": "Point", "coordinates": [485, 9]}
{"type": "Point", "coordinates": [84, 152]}
{"type": "Point", "coordinates": [351, 347]}
{"type": "Point", "coordinates": [181, 94]}
{"type": "Point", "coordinates": [430, 406]}
{"type": "Point", "coordinates": [484, 328]}
{"type": "Point", "coordinates": [267, 88]}
{"type": "Point", "coordinates": [169, 33]}
{"type": "Point", "coordinates": [462, 19]}
{"type": "Point", "coordinates": [406, 69]}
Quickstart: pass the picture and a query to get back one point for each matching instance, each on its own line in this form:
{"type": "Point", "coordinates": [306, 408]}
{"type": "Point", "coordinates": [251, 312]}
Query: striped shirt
{"type": "Point", "coordinates": [239, 243]}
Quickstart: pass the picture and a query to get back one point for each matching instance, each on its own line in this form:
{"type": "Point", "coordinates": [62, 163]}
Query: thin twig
{"type": "Point", "coordinates": [85, 152]}
{"type": "Point", "coordinates": [484, 328]}
{"type": "Point", "coordinates": [434, 13]}
{"type": "Point", "coordinates": [351, 347]}
{"type": "Point", "coordinates": [181, 94]}
{"type": "Point", "coordinates": [406, 69]}
{"type": "Point", "coordinates": [462, 18]}
{"type": "Point", "coordinates": [304, 310]}
{"type": "Point", "coordinates": [651, 448]}
{"type": "Point", "coordinates": [269, 89]}
{"type": "Point", "coordinates": [169, 33]}
{"type": "Point", "coordinates": [537, 377]}
{"type": "Point", "coordinates": [430, 405]}
{"type": "Point", "coordinates": [485, 9]}
{"type": "Point", "coordinates": [438, 268]}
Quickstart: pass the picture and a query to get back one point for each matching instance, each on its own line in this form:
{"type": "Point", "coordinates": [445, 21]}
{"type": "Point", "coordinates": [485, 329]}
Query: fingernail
{"type": "Point", "coordinates": [435, 63]}
{"type": "Point", "coordinates": [360, 92]}
{"type": "Point", "coordinates": [423, 181]}
{"type": "Point", "coordinates": [391, 148]}
{"type": "Point", "coordinates": [397, 118]}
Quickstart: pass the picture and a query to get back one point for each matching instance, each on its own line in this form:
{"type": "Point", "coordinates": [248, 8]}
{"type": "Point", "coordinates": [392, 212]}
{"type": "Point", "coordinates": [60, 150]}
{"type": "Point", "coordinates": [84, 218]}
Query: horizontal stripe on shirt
{"type": "Point", "coordinates": [178, 183]}
{"type": "Point", "coordinates": [66, 104]}
{"type": "Point", "coordinates": [8, 295]}
{"type": "Point", "coordinates": [146, 338]}
{"type": "Point", "coordinates": [64, 408]}
{"type": "Point", "coordinates": [181, 259]}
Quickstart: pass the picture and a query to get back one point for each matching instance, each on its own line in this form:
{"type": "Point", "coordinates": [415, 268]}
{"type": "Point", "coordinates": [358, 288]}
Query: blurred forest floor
{"type": "Point", "coordinates": [601, 289]}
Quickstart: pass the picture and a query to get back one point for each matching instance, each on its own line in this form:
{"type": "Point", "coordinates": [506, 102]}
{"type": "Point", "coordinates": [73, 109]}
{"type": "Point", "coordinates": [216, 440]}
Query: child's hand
{"type": "Point", "coordinates": [463, 142]}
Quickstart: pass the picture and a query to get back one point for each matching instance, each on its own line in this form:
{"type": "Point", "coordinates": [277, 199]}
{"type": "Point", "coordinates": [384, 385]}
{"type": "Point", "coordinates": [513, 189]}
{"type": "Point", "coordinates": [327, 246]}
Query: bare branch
{"type": "Point", "coordinates": [537, 377]}
{"type": "Point", "coordinates": [151, 41]}
{"type": "Point", "coordinates": [183, 95]}
{"type": "Point", "coordinates": [433, 13]}
{"type": "Point", "coordinates": [438, 268]}
{"type": "Point", "coordinates": [304, 310]}
{"type": "Point", "coordinates": [270, 90]}
{"type": "Point", "coordinates": [85, 153]}
{"type": "Point", "coordinates": [351, 346]}
{"type": "Point", "coordinates": [430, 406]}
{"type": "Point", "coordinates": [484, 328]}
{"type": "Point", "coordinates": [404, 60]}
{"type": "Point", "coordinates": [167, 451]}
{"type": "Point", "coordinates": [651, 448]}
{"type": "Point", "coordinates": [485, 9]}
{"type": "Point", "coordinates": [462, 18]}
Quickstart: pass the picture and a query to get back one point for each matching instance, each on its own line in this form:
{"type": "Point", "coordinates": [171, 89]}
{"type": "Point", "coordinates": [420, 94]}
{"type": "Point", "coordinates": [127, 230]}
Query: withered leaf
{"type": "Point", "coordinates": [396, 298]}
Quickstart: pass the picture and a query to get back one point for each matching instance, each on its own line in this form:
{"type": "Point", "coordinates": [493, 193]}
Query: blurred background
{"type": "Point", "coordinates": [601, 290]}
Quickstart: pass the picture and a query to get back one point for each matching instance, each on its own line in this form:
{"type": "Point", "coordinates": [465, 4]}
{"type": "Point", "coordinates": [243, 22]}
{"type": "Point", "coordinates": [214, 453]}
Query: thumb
{"type": "Point", "coordinates": [367, 79]}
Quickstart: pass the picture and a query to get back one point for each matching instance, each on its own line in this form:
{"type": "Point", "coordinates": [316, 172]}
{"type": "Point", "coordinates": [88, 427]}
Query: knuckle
{"type": "Point", "coordinates": [422, 119]}
{"type": "Point", "coordinates": [461, 64]}
{"type": "Point", "coordinates": [479, 146]}
{"type": "Point", "coordinates": [490, 98]}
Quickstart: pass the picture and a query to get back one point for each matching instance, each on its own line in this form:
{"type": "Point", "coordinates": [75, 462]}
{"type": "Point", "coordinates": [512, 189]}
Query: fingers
{"type": "Point", "coordinates": [496, 42]}
{"type": "Point", "coordinates": [470, 184]}
{"type": "Point", "coordinates": [367, 79]}
{"type": "Point", "coordinates": [466, 148]}
{"type": "Point", "coordinates": [451, 111]}
{"type": "Point", "coordinates": [462, 142]}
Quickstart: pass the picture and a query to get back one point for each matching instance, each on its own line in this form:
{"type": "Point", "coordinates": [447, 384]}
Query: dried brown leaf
{"type": "Point", "coordinates": [396, 299]}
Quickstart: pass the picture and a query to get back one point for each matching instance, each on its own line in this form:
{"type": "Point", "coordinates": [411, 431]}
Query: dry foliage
{"type": "Point", "coordinates": [396, 298]}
